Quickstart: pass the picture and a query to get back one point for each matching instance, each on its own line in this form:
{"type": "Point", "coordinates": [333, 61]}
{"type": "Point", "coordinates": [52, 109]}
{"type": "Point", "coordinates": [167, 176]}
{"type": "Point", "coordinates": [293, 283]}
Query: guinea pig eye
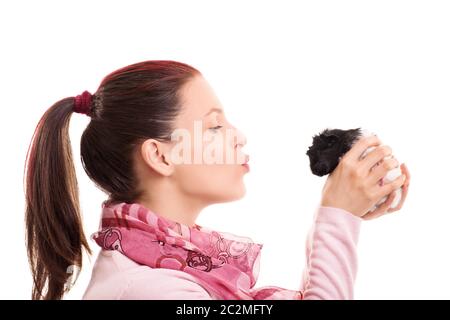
{"type": "Point", "coordinates": [332, 139]}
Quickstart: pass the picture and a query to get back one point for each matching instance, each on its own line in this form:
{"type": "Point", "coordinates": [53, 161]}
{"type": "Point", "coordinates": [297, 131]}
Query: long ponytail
{"type": "Point", "coordinates": [54, 230]}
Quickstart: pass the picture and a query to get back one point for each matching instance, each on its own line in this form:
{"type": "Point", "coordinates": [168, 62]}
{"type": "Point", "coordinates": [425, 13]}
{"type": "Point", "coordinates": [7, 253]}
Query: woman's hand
{"type": "Point", "coordinates": [385, 207]}
{"type": "Point", "coordinates": [354, 186]}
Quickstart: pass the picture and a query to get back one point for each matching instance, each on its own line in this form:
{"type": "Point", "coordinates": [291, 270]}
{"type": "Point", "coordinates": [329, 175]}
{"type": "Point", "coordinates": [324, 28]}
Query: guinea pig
{"type": "Point", "coordinates": [329, 146]}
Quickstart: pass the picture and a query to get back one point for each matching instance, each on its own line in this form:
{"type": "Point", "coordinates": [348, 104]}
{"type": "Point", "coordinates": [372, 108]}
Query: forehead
{"type": "Point", "coordinates": [197, 98]}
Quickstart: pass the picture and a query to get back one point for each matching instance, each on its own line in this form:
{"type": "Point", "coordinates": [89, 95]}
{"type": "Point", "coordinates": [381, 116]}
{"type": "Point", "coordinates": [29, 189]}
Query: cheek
{"type": "Point", "coordinates": [212, 182]}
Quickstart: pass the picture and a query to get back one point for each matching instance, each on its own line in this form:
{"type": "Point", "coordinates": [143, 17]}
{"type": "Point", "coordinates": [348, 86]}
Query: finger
{"type": "Point", "coordinates": [405, 189]}
{"type": "Point", "coordinates": [402, 200]}
{"type": "Point", "coordinates": [391, 186]}
{"type": "Point", "coordinates": [360, 146]}
{"type": "Point", "coordinates": [406, 172]}
{"type": "Point", "coordinates": [379, 171]}
{"type": "Point", "coordinates": [382, 209]}
{"type": "Point", "coordinates": [376, 156]}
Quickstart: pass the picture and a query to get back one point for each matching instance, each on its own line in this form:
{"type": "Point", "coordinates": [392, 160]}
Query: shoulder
{"type": "Point", "coordinates": [115, 276]}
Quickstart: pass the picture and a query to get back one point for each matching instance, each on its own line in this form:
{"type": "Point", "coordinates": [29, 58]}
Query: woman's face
{"type": "Point", "coordinates": [205, 148]}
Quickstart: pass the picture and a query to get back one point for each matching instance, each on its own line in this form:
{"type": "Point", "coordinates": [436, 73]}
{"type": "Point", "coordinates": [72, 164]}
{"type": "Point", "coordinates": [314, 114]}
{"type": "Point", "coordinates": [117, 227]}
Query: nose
{"type": "Point", "coordinates": [241, 139]}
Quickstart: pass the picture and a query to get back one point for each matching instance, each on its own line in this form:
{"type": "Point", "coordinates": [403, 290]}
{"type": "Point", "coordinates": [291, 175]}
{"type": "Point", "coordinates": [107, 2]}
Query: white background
{"type": "Point", "coordinates": [283, 70]}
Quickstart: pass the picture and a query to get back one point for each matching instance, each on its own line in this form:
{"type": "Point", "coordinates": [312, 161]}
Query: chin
{"type": "Point", "coordinates": [238, 193]}
{"type": "Point", "coordinates": [233, 194]}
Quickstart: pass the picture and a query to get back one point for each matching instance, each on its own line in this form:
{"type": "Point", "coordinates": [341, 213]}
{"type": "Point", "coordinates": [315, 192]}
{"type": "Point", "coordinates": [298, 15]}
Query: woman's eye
{"type": "Point", "coordinates": [215, 128]}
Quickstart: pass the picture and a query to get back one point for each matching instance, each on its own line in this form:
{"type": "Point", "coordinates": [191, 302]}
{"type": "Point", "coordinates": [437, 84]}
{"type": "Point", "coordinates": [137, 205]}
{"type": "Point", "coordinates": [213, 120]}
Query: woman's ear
{"type": "Point", "coordinates": [156, 156]}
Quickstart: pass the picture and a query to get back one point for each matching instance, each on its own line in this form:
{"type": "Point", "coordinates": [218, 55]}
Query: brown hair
{"type": "Point", "coordinates": [132, 104]}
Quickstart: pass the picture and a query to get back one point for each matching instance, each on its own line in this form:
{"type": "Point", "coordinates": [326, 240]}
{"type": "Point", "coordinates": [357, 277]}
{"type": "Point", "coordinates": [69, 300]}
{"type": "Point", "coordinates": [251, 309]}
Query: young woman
{"type": "Point", "coordinates": [145, 147]}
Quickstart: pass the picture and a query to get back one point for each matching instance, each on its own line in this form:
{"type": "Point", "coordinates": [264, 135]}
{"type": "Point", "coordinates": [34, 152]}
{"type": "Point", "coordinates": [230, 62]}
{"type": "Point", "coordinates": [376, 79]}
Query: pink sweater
{"type": "Point", "coordinates": [330, 270]}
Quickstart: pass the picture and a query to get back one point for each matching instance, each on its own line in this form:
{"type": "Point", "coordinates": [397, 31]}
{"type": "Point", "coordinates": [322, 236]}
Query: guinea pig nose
{"type": "Point", "coordinates": [321, 169]}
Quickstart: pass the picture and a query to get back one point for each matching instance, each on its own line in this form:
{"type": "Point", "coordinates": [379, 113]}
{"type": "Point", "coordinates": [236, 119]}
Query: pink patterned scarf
{"type": "Point", "coordinates": [224, 264]}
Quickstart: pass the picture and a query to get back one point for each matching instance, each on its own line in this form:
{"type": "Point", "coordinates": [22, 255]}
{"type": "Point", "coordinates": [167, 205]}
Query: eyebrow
{"type": "Point", "coordinates": [213, 110]}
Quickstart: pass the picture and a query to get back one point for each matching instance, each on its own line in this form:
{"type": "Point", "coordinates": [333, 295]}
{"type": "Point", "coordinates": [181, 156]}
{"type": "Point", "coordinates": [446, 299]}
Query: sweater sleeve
{"type": "Point", "coordinates": [331, 255]}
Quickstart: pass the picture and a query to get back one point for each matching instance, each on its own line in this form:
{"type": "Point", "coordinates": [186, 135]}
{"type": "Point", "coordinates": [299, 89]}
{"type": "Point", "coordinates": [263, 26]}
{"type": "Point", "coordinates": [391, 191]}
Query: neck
{"type": "Point", "coordinates": [175, 208]}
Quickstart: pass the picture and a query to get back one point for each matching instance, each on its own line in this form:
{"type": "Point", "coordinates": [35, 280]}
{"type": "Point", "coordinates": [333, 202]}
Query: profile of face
{"type": "Point", "coordinates": [204, 159]}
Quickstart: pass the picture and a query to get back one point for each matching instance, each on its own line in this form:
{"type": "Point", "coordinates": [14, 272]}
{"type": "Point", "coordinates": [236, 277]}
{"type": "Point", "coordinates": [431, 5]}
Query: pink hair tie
{"type": "Point", "coordinates": [83, 103]}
